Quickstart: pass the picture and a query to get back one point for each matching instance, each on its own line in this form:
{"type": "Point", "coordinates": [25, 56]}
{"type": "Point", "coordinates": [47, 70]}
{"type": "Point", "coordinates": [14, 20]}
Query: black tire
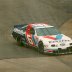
{"type": "Point", "coordinates": [41, 47]}
{"type": "Point", "coordinates": [14, 35]}
{"type": "Point", "coordinates": [19, 41]}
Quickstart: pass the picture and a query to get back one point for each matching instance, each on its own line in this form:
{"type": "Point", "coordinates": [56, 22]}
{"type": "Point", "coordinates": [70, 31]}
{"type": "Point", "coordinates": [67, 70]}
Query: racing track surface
{"type": "Point", "coordinates": [54, 12]}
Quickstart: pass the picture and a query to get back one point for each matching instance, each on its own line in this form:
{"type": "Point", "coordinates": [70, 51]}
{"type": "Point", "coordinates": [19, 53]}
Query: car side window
{"type": "Point", "coordinates": [24, 29]}
{"type": "Point", "coordinates": [32, 31]}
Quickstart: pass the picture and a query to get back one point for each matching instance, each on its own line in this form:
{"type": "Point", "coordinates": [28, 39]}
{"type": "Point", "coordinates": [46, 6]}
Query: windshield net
{"type": "Point", "coordinates": [47, 31]}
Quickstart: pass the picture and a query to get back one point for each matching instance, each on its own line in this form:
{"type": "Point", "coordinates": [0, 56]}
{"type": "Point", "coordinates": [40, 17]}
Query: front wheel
{"type": "Point", "coordinates": [41, 47]}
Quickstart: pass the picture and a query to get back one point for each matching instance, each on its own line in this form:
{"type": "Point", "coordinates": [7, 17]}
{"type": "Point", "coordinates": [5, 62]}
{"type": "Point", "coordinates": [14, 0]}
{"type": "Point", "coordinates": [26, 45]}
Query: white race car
{"type": "Point", "coordinates": [44, 37]}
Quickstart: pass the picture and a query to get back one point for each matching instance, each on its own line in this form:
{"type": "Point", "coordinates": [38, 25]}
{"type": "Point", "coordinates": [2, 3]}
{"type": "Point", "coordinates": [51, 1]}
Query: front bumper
{"type": "Point", "coordinates": [68, 50]}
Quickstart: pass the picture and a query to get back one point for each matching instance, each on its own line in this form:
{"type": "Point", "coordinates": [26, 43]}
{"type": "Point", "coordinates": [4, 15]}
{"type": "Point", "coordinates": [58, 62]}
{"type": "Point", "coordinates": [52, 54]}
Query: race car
{"type": "Point", "coordinates": [44, 37]}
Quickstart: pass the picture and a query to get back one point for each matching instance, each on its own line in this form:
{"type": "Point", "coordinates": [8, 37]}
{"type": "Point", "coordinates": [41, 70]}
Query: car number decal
{"type": "Point", "coordinates": [29, 39]}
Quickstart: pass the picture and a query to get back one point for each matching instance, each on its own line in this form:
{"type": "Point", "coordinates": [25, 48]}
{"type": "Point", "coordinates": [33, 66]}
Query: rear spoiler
{"type": "Point", "coordinates": [20, 25]}
{"type": "Point", "coordinates": [17, 26]}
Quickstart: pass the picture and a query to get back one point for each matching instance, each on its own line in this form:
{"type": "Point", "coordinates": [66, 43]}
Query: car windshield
{"type": "Point", "coordinates": [47, 31]}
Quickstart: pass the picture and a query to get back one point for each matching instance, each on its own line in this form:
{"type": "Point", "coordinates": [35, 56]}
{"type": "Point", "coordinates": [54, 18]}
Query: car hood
{"type": "Point", "coordinates": [59, 37]}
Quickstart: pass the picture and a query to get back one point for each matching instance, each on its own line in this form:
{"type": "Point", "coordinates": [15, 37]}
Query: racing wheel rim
{"type": "Point", "coordinates": [41, 47]}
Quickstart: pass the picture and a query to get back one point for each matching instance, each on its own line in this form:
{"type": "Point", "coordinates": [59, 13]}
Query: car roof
{"type": "Point", "coordinates": [40, 25]}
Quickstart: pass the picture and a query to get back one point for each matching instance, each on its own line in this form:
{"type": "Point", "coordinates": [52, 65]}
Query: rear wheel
{"type": "Point", "coordinates": [41, 47]}
{"type": "Point", "coordinates": [19, 41]}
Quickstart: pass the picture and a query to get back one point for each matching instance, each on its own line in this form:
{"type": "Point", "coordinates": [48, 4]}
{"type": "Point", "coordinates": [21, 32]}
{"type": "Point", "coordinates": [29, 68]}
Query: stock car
{"type": "Point", "coordinates": [44, 37]}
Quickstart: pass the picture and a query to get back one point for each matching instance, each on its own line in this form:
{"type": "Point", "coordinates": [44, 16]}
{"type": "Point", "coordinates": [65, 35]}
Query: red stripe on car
{"type": "Point", "coordinates": [49, 37]}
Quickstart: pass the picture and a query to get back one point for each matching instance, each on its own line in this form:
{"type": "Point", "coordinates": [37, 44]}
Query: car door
{"type": "Point", "coordinates": [29, 34]}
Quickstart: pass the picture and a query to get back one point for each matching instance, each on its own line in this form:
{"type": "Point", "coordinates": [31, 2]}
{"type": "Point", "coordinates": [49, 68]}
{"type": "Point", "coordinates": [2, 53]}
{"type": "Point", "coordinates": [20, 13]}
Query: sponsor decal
{"type": "Point", "coordinates": [29, 38]}
{"type": "Point", "coordinates": [59, 36]}
{"type": "Point", "coordinates": [50, 37]}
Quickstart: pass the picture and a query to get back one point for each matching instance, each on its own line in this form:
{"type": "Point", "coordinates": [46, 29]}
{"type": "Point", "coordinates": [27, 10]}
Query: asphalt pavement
{"type": "Point", "coordinates": [20, 59]}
